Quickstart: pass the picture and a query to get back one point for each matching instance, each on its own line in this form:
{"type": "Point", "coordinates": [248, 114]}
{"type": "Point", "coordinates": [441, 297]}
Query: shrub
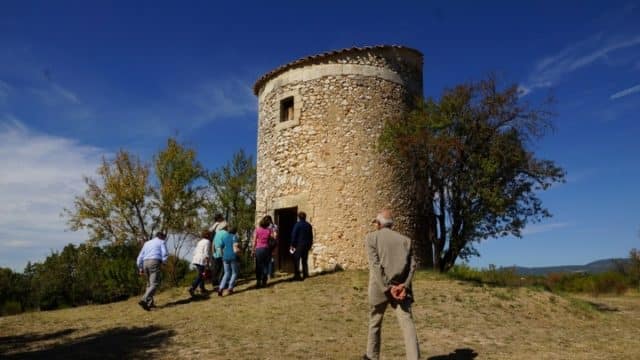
{"type": "Point", "coordinates": [610, 282]}
{"type": "Point", "coordinates": [11, 307]}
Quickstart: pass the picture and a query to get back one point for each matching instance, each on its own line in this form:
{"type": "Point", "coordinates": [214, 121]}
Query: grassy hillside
{"type": "Point", "coordinates": [325, 317]}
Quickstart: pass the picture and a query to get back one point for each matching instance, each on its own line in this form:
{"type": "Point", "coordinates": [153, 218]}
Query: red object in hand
{"type": "Point", "coordinates": [206, 274]}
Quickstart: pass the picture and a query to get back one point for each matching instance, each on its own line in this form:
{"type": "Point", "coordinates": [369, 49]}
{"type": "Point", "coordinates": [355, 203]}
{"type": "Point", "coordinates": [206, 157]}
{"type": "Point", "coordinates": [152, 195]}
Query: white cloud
{"type": "Point", "coordinates": [55, 94]}
{"type": "Point", "coordinates": [625, 92]}
{"type": "Point", "coordinates": [542, 228]}
{"type": "Point", "coordinates": [65, 94]}
{"type": "Point", "coordinates": [222, 99]}
{"type": "Point", "coordinates": [40, 176]}
{"type": "Point", "coordinates": [553, 68]}
{"type": "Point", "coordinates": [5, 89]}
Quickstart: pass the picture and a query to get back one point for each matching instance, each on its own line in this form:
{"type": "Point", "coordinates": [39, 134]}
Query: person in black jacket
{"type": "Point", "coordinates": [301, 242]}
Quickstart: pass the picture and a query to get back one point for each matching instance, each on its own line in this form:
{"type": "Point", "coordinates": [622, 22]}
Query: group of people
{"type": "Point", "coordinates": [391, 267]}
{"type": "Point", "coordinates": [219, 250]}
{"type": "Point", "coordinates": [223, 257]}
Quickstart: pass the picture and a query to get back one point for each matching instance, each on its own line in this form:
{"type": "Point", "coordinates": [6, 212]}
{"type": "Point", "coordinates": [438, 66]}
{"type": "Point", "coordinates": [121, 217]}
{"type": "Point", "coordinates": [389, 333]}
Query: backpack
{"type": "Point", "coordinates": [272, 242]}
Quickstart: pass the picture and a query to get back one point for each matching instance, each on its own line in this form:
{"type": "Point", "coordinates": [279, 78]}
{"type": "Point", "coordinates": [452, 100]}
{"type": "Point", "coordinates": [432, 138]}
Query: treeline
{"type": "Point", "coordinates": [123, 205]}
{"type": "Point", "coordinates": [78, 275]}
{"type": "Point", "coordinates": [625, 275]}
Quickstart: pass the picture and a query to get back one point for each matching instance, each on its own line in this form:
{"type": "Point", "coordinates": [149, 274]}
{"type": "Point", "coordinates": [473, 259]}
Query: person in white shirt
{"type": "Point", "coordinates": [201, 256]}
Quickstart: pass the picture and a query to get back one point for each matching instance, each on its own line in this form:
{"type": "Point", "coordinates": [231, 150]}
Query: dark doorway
{"type": "Point", "coordinates": [285, 219]}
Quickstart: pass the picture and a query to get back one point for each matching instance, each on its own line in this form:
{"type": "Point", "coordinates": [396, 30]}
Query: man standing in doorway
{"type": "Point", "coordinates": [153, 254]}
{"type": "Point", "coordinates": [301, 242]}
{"type": "Point", "coordinates": [391, 268]}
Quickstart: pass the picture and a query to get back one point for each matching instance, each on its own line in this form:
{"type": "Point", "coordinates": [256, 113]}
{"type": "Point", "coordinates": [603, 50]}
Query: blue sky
{"type": "Point", "coordinates": [80, 80]}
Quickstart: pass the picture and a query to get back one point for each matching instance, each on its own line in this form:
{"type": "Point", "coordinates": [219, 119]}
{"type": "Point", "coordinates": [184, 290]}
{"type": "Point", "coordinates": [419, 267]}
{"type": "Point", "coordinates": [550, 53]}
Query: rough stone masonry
{"type": "Point", "coordinates": [318, 125]}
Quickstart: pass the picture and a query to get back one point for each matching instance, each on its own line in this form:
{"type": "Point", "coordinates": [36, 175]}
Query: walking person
{"type": "Point", "coordinates": [217, 271]}
{"type": "Point", "coordinates": [271, 268]}
{"type": "Point", "coordinates": [301, 242]}
{"type": "Point", "coordinates": [216, 257]}
{"type": "Point", "coordinates": [230, 260]}
{"type": "Point", "coordinates": [152, 255]}
{"type": "Point", "coordinates": [391, 268]}
{"type": "Point", "coordinates": [261, 251]}
{"type": "Point", "coordinates": [201, 256]}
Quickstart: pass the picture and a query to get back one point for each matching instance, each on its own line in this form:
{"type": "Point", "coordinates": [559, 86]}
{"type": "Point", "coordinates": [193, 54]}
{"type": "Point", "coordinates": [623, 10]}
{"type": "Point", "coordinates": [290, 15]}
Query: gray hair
{"type": "Point", "coordinates": [385, 219]}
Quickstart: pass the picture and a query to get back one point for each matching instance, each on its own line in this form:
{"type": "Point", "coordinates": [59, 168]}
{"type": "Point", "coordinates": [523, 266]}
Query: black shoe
{"type": "Point", "coordinates": [143, 304]}
{"type": "Point", "coordinates": [365, 357]}
{"type": "Point", "coordinates": [191, 292]}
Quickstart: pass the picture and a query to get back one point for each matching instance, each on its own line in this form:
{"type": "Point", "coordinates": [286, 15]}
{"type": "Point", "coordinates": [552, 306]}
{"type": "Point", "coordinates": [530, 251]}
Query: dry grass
{"type": "Point", "coordinates": [325, 317]}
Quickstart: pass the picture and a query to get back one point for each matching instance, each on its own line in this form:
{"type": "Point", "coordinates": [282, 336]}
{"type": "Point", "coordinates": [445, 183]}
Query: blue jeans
{"type": "Point", "coordinates": [231, 269]}
{"type": "Point", "coordinates": [263, 256]}
{"type": "Point", "coordinates": [271, 268]}
{"type": "Point", "coordinates": [199, 281]}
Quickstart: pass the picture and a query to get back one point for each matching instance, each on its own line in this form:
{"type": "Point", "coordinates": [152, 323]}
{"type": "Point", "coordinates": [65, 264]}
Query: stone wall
{"type": "Point", "coordinates": [325, 161]}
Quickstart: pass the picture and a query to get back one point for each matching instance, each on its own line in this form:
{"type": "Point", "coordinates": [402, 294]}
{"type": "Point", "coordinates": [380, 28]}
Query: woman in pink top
{"type": "Point", "coordinates": [263, 255]}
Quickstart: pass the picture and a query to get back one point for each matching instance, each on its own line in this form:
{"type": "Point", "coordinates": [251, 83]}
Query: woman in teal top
{"type": "Point", "coordinates": [230, 250]}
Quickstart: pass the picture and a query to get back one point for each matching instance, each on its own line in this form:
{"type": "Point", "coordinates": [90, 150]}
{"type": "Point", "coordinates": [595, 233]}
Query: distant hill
{"type": "Point", "coordinates": [594, 267]}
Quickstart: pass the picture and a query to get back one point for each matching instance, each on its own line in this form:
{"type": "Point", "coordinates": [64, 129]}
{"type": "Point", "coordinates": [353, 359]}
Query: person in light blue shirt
{"type": "Point", "coordinates": [216, 268]}
{"type": "Point", "coordinates": [153, 254]}
{"type": "Point", "coordinates": [230, 251]}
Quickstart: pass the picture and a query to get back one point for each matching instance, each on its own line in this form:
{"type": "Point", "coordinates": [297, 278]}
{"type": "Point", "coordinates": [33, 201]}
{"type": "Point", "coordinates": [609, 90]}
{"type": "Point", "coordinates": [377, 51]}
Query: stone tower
{"type": "Point", "coordinates": [318, 125]}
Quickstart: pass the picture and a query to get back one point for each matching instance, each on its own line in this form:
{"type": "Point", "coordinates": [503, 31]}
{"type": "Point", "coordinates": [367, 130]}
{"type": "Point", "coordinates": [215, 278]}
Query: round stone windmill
{"type": "Point", "coordinates": [319, 121]}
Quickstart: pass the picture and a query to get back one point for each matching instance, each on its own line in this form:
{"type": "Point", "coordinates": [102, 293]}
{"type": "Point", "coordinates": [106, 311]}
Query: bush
{"type": "Point", "coordinates": [11, 307]}
{"type": "Point", "coordinates": [610, 282]}
{"type": "Point", "coordinates": [490, 276]}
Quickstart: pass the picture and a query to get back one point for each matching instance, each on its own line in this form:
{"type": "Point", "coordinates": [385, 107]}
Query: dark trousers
{"type": "Point", "coordinates": [199, 281]}
{"type": "Point", "coordinates": [263, 257]}
{"type": "Point", "coordinates": [301, 255]}
{"type": "Point", "coordinates": [216, 271]}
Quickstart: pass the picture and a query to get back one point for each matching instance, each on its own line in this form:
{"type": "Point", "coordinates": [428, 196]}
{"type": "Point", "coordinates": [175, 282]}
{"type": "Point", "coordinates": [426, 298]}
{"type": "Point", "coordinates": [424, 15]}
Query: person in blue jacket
{"type": "Point", "coordinates": [301, 242]}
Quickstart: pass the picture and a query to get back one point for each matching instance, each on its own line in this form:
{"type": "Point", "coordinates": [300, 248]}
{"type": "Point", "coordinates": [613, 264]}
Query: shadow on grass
{"type": "Point", "coordinates": [116, 343]}
{"type": "Point", "coordinates": [602, 307]}
{"type": "Point", "coordinates": [195, 298]}
{"type": "Point", "coordinates": [9, 343]}
{"type": "Point", "coordinates": [273, 282]}
{"type": "Point", "coordinates": [458, 354]}
{"type": "Point", "coordinates": [251, 285]}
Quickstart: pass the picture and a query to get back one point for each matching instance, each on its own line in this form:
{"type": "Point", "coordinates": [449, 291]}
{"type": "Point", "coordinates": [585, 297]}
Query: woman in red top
{"type": "Point", "coordinates": [263, 255]}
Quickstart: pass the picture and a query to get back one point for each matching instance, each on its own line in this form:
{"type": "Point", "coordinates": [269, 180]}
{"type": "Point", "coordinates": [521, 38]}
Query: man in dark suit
{"type": "Point", "coordinates": [301, 242]}
{"type": "Point", "coordinates": [391, 268]}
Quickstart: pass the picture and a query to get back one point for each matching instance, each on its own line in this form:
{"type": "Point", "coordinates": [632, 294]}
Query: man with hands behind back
{"type": "Point", "coordinates": [391, 268]}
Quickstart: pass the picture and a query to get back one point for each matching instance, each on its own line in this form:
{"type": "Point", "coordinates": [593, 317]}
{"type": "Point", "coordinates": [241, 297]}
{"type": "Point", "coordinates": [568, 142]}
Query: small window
{"type": "Point", "coordinates": [286, 109]}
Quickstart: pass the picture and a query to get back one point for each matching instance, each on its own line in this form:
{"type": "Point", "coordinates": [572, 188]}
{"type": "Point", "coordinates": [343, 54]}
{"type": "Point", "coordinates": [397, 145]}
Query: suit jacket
{"type": "Point", "coordinates": [391, 262]}
{"type": "Point", "coordinates": [302, 235]}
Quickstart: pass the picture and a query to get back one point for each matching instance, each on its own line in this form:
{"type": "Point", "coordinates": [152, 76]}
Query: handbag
{"type": "Point", "coordinates": [272, 242]}
{"type": "Point", "coordinates": [206, 274]}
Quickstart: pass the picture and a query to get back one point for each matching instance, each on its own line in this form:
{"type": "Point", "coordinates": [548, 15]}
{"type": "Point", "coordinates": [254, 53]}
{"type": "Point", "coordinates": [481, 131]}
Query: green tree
{"type": "Point", "coordinates": [179, 199]}
{"type": "Point", "coordinates": [233, 191]}
{"type": "Point", "coordinates": [115, 207]}
{"type": "Point", "coordinates": [466, 156]}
